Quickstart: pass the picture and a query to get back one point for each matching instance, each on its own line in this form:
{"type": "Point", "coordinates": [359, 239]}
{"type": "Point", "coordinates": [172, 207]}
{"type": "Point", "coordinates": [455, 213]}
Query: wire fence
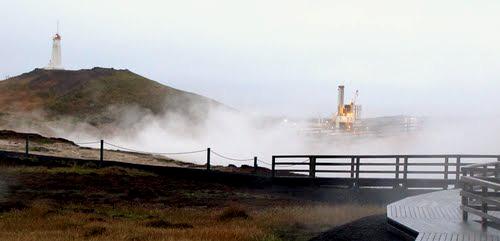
{"type": "Point", "coordinates": [261, 161]}
{"type": "Point", "coordinates": [210, 152]}
{"type": "Point", "coordinates": [231, 158]}
{"type": "Point", "coordinates": [154, 153]}
{"type": "Point", "coordinates": [87, 143]}
{"type": "Point", "coordinates": [211, 155]}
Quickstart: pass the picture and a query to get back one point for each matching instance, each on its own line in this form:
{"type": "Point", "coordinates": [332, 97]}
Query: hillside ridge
{"type": "Point", "coordinates": [95, 95]}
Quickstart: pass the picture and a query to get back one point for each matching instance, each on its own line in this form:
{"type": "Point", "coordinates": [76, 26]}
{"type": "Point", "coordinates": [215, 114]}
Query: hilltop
{"type": "Point", "coordinates": [97, 96]}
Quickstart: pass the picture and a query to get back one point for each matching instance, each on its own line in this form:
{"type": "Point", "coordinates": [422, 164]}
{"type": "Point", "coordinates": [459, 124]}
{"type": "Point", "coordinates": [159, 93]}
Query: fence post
{"type": "Point", "coordinates": [405, 173]}
{"type": "Point", "coordinates": [208, 159]}
{"type": "Point", "coordinates": [273, 167]}
{"type": "Point", "coordinates": [352, 172]}
{"type": "Point", "coordinates": [357, 171]}
{"type": "Point", "coordinates": [27, 148]}
{"type": "Point", "coordinates": [484, 207]}
{"type": "Point", "coordinates": [397, 173]}
{"type": "Point", "coordinates": [465, 201]}
{"type": "Point", "coordinates": [446, 162]}
{"type": "Point", "coordinates": [255, 165]}
{"type": "Point", "coordinates": [457, 173]}
{"type": "Point", "coordinates": [312, 167]}
{"type": "Point", "coordinates": [101, 153]}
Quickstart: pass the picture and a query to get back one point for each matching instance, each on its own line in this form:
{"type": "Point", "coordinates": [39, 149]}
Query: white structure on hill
{"type": "Point", "coordinates": [55, 60]}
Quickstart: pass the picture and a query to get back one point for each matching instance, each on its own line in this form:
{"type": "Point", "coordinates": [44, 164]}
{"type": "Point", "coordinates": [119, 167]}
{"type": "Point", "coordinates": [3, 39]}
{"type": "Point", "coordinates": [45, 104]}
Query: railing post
{"type": "Point", "coordinates": [484, 207]}
{"type": "Point", "coordinates": [405, 173]}
{"type": "Point", "coordinates": [357, 171]}
{"type": "Point", "coordinates": [352, 172]}
{"type": "Point", "coordinates": [27, 147]}
{"type": "Point", "coordinates": [101, 153]}
{"type": "Point", "coordinates": [352, 167]}
{"type": "Point", "coordinates": [255, 165]}
{"type": "Point", "coordinates": [208, 159]}
{"type": "Point", "coordinates": [273, 167]}
{"type": "Point", "coordinates": [446, 161]}
{"type": "Point", "coordinates": [397, 173]}
{"type": "Point", "coordinates": [457, 173]}
{"type": "Point", "coordinates": [465, 200]}
{"type": "Point", "coordinates": [312, 167]}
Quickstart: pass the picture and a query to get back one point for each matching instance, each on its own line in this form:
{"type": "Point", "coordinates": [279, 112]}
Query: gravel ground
{"type": "Point", "coordinates": [371, 228]}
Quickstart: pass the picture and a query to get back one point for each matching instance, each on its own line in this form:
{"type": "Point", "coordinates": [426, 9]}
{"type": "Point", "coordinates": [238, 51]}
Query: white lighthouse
{"type": "Point", "coordinates": [55, 60]}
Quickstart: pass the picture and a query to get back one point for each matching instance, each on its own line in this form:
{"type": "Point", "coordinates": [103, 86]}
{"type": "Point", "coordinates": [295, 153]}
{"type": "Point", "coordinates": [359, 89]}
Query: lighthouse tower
{"type": "Point", "coordinates": [55, 60]}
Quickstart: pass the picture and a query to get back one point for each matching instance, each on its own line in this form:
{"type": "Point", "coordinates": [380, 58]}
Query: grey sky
{"type": "Point", "coordinates": [278, 57]}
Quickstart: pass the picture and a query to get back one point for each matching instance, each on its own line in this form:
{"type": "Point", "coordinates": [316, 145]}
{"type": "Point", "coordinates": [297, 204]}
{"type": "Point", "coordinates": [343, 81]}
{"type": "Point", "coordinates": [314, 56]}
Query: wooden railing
{"type": "Point", "coordinates": [397, 171]}
{"type": "Point", "coordinates": [480, 191]}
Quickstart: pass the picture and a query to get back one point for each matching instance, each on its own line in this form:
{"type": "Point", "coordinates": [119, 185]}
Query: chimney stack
{"type": "Point", "coordinates": [341, 98]}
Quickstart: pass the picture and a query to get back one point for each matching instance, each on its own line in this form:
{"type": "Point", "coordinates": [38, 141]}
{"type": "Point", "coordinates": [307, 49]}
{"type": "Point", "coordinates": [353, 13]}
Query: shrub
{"type": "Point", "coordinates": [233, 212]}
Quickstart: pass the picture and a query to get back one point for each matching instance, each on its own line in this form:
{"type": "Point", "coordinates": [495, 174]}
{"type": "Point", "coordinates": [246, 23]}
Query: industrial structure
{"type": "Point", "coordinates": [347, 114]}
{"type": "Point", "coordinates": [56, 60]}
{"type": "Point", "coordinates": [347, 121]}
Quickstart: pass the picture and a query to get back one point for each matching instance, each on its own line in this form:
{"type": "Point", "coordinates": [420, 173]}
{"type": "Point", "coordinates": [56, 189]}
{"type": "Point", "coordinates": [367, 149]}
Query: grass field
{"type": "Point", "coordinates": [78, 203]}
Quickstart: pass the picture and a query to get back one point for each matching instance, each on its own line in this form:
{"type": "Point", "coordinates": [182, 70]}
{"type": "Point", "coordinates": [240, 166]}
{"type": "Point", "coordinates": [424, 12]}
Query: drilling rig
{"type": "Point", "coordinates": [347, 114]}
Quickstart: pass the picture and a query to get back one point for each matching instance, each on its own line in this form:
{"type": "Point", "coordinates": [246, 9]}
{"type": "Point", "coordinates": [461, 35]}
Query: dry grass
{"type": "Point", "coordinates": [78, 170]}
{"type": "Point", "coordinates": [233, 212]}
{"type": "Point", "coordinates": [36, 212]}
{"type": "Point", "coordinates": [47, 221]}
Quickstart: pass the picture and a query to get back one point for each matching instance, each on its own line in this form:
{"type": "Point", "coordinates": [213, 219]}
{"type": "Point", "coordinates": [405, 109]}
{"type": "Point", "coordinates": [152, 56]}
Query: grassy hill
{"type": "Point", "coordinates": [94, 95]}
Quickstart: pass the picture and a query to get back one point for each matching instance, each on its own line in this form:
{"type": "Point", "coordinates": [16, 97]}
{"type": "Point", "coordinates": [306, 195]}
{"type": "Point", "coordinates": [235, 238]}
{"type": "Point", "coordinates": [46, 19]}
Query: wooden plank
{"type": "Point", "coordinates": [480, 214]}
{"type": "Point", "coordinates": [292, 163]}
{"type": "Point", "coordinates": [292, 170]}
{"type": "Point", "coordinates": [333, 164]}
{"type": "Point", "coordinates": [482, 165]}
{"type": "Point", "coordinates": [432, 236]}
{"type": "Point", "coordinates": [426, 213]}
{"type": "Point", "coordinates": [491, 201]}
{"type": "Point", "coordinates": [480, 182]}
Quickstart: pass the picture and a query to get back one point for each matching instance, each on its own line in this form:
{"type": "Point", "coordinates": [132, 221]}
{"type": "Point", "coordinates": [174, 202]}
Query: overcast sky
{"type": "Point", "coordinates": [278, 57]}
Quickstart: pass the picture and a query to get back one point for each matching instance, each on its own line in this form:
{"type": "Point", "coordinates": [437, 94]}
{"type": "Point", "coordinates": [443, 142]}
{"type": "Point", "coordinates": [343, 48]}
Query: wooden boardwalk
{"type": "Point", "coordinates": [436, 216]}
{"type": "Point", "coordinates": [375, 171]}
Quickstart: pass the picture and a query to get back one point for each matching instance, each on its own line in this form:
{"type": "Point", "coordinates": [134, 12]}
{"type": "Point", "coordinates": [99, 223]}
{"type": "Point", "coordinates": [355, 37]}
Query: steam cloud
{"type": "Point", "coordinates": [242, 136]}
